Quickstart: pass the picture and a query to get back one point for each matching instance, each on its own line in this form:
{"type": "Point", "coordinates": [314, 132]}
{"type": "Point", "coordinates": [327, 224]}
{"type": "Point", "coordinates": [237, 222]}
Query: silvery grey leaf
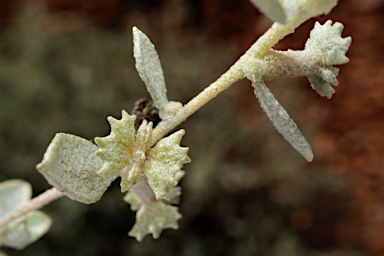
{"type": "Point", "coordinates": [13, 194]}
{"type": "Point", "coordinates": [70, 164]}
{"type": "Point", "coordinates": [25, 230]}
{"type": "Point", "coordinates": [149, 68]}
{"type": "Point", "coordinates": [281, 120]}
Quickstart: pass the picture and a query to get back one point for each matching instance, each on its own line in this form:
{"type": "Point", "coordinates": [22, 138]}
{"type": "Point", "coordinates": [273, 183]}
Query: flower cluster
{"type": "Point", "coordinates": [151, 174]}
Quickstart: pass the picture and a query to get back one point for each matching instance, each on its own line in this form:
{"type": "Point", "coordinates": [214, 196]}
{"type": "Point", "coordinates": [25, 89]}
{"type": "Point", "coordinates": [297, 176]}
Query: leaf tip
{"type": "Point", "coordinates": [308, 156]}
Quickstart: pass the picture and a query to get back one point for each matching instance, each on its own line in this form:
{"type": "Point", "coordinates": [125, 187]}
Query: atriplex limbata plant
{"type": "Point", "coordinates": [150, 164]}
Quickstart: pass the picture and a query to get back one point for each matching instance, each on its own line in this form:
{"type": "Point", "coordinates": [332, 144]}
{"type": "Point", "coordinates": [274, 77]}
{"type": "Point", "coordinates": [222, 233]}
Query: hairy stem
{"type": "Point", "coordinates": [36, 203]}
{"type": "Point", "coordinates": [236, 72]}
{"type": "Point", "coordinates": [290, 64]}
{"type": "Point", "coordinates": [233, 75]}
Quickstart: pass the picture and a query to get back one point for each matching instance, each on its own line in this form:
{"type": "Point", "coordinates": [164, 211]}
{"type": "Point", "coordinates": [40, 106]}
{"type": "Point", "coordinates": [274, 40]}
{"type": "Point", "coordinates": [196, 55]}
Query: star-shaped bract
{"type": "Point", "coordinates": [152, 218]}
{"type": "Point", "coordinates": [123, 152]}
{"type": "Point", "coordinates": [164, 161]}
{"type": "Point", "coordinates": [327, 43]}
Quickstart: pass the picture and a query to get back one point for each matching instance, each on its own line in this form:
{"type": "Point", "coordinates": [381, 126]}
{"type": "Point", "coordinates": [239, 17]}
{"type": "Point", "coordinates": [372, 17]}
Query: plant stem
{"type": "Point", "coordinates": [236, 72]}
{"type": "Point", "coordinates": [224, 82]}
{"type": "Point", "coordinates": [36, 203]}
{"type": "Point", "coordinates": [274, 34]}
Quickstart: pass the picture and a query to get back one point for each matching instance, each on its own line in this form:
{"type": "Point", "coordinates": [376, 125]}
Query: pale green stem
{"type": "Point", "coordinates": [233, 75]}
{"type": "Point", "coordinates": [36, 203]}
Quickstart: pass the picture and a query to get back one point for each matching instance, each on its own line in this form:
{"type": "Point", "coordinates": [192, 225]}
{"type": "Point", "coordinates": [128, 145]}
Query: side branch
{"type": "Point", "coordinates": [235, 73]}
{"type": "Point", "coordinates": [36, 203]}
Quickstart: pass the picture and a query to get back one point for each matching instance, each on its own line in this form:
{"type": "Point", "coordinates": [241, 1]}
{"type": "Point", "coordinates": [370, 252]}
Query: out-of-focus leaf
{"type": "Point", "coordinates": [25, 230]}
{"type": "Point", "coordinates": [13, 194]}
{"type": "Point", "coordinates": [273, 9]}
{"type": "Point", "coordinates": [284, 11]}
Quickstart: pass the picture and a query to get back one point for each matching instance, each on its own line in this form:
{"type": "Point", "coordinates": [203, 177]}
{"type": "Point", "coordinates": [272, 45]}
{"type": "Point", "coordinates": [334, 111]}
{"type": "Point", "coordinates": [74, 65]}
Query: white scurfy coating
{"type": "Point", "coordinates": [149, 68]}
{"type": "Point", "coordinates": [281, 120]}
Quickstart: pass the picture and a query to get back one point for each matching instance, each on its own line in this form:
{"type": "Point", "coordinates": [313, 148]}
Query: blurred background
{"type": "Point", "coordinates": [67, 65]}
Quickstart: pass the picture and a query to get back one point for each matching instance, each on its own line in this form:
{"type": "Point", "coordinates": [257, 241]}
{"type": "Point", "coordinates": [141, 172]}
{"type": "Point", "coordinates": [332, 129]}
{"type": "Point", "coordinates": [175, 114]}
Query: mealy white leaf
{"type": "Point", "coordinates": [149, 68]}
{"type": "Point", "coordinates": [325, 40]}
{"type": "Point", "coordinates": [281, 120]}
{"type": "Point", "coordinates": [71, 165]}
